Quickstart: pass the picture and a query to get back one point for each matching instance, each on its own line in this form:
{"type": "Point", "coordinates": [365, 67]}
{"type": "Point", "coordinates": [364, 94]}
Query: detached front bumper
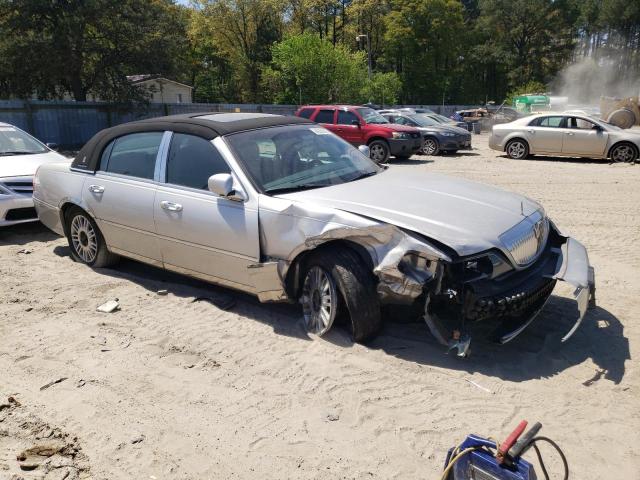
{"type": "Point", "coordinates": [574, 268]}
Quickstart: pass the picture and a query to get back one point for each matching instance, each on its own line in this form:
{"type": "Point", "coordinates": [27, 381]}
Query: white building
{"type": "Point", "coordinates": [162, 90]}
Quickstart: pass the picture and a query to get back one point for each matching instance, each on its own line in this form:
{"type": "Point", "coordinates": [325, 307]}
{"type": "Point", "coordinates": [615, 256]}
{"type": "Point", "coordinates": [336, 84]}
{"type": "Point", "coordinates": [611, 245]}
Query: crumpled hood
{"type": "Point", "coordinates": [26, 165]}
{"type": "Point", "coordinates": [466, 216]}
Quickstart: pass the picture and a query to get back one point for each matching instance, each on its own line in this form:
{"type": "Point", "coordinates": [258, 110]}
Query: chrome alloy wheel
{"type": "Point", "coordinates": [377, 153]}
{"type": "Point", "coordinates": [319, 301]}
{"type": "Point", "coordinates": [516, 150]}
{"type": "Point", "coordinates": [83, 238]}
{"type": "Point", "coordinates": [429, 146]}
{"type": "Point", "coordinates": [623, 153]}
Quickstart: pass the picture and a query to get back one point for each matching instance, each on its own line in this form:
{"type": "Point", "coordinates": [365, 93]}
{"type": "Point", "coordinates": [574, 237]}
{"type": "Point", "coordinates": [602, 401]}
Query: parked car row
{"type": "Point", "coordinates": [399, 133]}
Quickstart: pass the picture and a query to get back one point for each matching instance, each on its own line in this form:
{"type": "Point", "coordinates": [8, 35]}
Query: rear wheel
{"type": "Point", "coordinates": [624, 153]}
{"type": "Point", "coordinates": [336, 280]}
{"type": "Point", "coordinates": [430, 146]}
{"type": "Point", "coordinates": [379, 151]}
{"type": "Point", "coordinates": [86, 241]}
{"type": "Point", "coordinates": [517, 149]}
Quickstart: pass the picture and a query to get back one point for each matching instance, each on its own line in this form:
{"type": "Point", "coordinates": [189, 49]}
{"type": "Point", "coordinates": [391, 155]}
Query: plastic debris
{"type": "Point", "coordinates": [61, 379]}
{"type": "Point", "coordinates": [109, 307]}
{"type": "Point", "coordinates": [163, 292]}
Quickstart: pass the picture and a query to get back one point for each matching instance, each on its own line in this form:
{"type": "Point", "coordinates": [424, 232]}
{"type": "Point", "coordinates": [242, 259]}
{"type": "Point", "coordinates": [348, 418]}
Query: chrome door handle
{"type": "Point", "coordinates": [96, 188]}
{"type": "Point", "coordinates": [172, 207]}
{"type": "Point", "coordinates": [570, 133]}
{"type": "Point", "coordinates": [531, 131]}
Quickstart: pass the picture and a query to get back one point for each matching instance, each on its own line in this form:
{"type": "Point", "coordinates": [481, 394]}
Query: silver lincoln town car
{"type": "Point", "coordinates": [281, 208]}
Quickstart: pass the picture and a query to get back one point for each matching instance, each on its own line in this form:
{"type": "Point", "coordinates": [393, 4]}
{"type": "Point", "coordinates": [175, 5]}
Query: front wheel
{"type": "Point", "coordinates": [624, 153]}
{"type": "Point", "coordinates": [379, 151]}
{"type": "Point", "coordinates": [338, 279]}
{"type": "Point", "coordinates": [86, 241]}
{"type": "Point", "coordinates": [430, 146]}
{"type": "Point", "coordinates": [517, 149]}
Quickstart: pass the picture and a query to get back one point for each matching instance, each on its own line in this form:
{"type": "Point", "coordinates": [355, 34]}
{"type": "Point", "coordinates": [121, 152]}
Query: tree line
{"type": "Point", "coordinates": [309, 51]}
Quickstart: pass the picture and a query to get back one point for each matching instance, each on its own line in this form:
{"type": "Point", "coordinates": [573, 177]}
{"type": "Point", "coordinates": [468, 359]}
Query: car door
{"type": "Point", "coordinates": [546, 134]}
{"type": "Point", "coordinates": [199, 232]}
{"type": "Point", "coordinates": [121, 194]}
{"type": "Point", "coordinates": [583, 137]}
{"type": "Point", "coordinates": [326, 118]}
{"type": "Point", "coordinates": [348, 126]}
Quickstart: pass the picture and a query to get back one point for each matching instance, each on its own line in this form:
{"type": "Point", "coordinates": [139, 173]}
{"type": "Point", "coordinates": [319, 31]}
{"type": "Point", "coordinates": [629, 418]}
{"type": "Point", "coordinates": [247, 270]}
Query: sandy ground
{"type": "Point", "coordinates": [168, 388]}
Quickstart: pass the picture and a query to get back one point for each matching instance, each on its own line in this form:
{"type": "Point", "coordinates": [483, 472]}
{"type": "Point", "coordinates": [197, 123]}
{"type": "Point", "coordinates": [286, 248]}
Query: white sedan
{"type": "Point", "coordinates": [20, 157]}
{"type": "Point", "coordinates": [569, 135]}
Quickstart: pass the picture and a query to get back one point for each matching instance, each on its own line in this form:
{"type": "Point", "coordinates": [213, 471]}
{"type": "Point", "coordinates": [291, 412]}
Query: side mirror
{"type": "Point", "coordinates": [356, 123]}
{"type": "Point", "coordinates": [365, 151]}
{"type": "Point", "coordinates": [221, 184]}
{"type": "Point", "coordinates": [52, 146]}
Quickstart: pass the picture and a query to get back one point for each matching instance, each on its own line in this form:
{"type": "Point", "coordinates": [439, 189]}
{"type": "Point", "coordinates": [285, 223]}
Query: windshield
{"type": "Point", "coordinates": [290, 158]}
{"type": "Point", "coordinates": [423, 120]}
{"type": "Point", "coordinates": [441, 118]}
{"type": "Point", "coordinates": [16, 142]}
{"type": "Point", "coordinates": [371, 116]}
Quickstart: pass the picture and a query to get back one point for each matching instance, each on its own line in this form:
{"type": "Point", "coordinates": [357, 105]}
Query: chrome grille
{"type": "Point", "coordinates": [19, 185]}
{"type": "Point", "coordinates": [526, 240]}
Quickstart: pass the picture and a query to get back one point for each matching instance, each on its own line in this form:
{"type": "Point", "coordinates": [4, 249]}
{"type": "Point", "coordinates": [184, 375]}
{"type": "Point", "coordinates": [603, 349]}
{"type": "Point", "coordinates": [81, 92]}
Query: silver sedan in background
{"type": "Point", "coordinates": [568, 135]}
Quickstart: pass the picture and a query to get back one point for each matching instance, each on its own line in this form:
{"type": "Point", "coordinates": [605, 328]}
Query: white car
{"type": "Point", "coordinates": [20, 157]}
{"type": "Point", "coordinates": [568, 135]}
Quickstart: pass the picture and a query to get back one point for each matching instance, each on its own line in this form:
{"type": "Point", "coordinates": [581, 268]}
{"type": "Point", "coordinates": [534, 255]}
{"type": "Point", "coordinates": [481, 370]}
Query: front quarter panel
{"type": "Point", "coordinates": [288, 228]}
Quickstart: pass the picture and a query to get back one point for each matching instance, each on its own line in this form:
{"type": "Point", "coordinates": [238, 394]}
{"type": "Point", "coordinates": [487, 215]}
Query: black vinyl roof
{"type": "Point", "coordinates": [208, 125]}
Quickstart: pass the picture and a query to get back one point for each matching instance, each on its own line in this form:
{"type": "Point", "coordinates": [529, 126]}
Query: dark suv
{"type": "Point", "coordinates": [365, 126]}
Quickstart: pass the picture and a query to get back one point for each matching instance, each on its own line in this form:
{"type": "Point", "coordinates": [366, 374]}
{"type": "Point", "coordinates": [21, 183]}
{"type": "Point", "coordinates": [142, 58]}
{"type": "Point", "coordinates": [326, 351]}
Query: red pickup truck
{"type": "Point", "coordinates": [365, 126]}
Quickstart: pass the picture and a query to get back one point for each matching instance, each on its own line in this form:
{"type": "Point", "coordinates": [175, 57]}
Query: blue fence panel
{"type": "Point", "coordinates": [71, 124]}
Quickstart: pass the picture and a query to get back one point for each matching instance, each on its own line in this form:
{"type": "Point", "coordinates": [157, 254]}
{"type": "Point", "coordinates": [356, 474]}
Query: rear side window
{"type": "Point", "coordinates": [552, 122]}
{"type": "Point", "coordinates": [133, 155]}
{"type": "Point", "coordinates": [306, 112]}
{"type": "Point", "coordinates": [192, 160]}
{"type": "Point", "coordinates": [324, 116]}
{"type": "Point", "coordinates": [347, 118]}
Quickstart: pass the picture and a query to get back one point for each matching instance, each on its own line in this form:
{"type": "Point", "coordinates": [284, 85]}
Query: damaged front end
{"type": "Point", "coordinates": [507, 285]}
{"type": "Point", "coordinates": [484, 288]}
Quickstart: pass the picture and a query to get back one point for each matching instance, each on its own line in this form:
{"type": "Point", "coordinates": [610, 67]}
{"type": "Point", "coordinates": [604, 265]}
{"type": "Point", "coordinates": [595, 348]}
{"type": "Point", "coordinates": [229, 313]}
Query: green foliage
{"type": "Point", "coordinates": [530, 87]}
{"type": "Point", "coordinates": [87, 47]}
{"type": "Point", "coordinates": [422, 51]}
{"type": "Point", "coordinates": [309, 69]}
{"type": "Point", "coordinates": [383, 88]}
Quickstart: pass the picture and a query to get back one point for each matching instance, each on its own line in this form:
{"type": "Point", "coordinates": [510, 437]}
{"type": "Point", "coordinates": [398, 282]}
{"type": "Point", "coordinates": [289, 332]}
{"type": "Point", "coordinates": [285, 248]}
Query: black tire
{"type": "Point", "coordinates": [623, 152]}
{"type": "Point", "coordinates": [517, 149]}
{"type": "Point", "coordinates": [379, 151]}
{"type": "Point", "coordinates": [84, 233]}
{"type": "Point", "coordinates": [430, 146]}
{"type": "Point", "coordinates": [357, 288]}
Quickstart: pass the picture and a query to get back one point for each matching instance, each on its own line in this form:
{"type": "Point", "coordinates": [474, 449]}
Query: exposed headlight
{"type": "Point", "coordinates": [448, 134]}
{"type": "Point", "coordinates": [401, 136]}
{"type": "Point", "coordinates": [491, 265]}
